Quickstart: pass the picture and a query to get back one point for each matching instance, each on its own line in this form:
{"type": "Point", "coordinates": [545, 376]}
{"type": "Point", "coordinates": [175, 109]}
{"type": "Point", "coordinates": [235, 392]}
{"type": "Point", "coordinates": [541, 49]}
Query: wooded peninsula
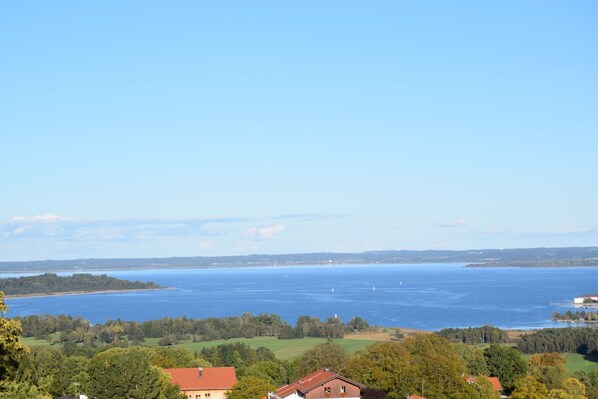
{"type": "Point", "coordinates": [52, 284]}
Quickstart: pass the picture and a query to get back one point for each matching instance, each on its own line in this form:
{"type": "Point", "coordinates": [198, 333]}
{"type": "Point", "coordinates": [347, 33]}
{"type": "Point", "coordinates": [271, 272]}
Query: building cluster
{"type": "Point", "coordinates": [214, 382]}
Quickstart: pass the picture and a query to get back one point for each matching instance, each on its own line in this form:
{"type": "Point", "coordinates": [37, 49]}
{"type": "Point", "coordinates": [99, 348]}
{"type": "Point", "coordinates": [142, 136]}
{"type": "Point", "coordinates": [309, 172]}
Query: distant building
{"type": "Point", "coordinates": [415, 397]}
{"type": "Point", "coordinates": [204, 382]}
{"type": "Point", "coordinates": [320, 384]}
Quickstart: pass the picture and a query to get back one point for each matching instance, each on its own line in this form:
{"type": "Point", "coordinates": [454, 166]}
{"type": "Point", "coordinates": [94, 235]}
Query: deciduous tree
{"type": "Point", "coordinates": [250, 387]}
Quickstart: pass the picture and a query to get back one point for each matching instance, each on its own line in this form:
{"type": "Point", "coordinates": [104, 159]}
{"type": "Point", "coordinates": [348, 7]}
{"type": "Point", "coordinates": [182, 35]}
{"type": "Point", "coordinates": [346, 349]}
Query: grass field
{"type": "Point", "coordinates": [31, 341]}
{"type": "Point", "coordinates": [282, 348]}
{"type": "Point", "coordinates": [576, 362]}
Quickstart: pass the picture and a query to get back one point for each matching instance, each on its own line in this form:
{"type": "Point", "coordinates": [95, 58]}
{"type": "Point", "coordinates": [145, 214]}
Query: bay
{"type": "Point", "coordinates": [427, 297]}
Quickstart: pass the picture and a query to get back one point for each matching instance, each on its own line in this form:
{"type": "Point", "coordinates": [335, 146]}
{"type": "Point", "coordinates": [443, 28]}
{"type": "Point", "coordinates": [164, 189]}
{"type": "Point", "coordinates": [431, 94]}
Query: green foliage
{"type": "Point", "coordinates": [329, 355]}
{"type": "Point", "coordinates": [357, 324]}
{"type": "Point", "coordinates": [11, 345]}
{"type": "Point", "coordinates": [127, 373]}
{"type": "Point", "coordinates": [423, 363]}
{"type": "Point", "coordinates": [250, 387]}
{"type": "Point", "coordinates": [527, 387]}
{"type": "Point", "coordinates": [590, 380]}
{"type": "Point", "coordinates": [579, 316]}
{"type": "Point", "coordinates": [549, 369]}
{"type": "Point", "coordinates": [581, 340]}
{"type": "Point", "coordinates": [506, 363]}
{"type": "Point", "coordinates": [236, 355]}
{"type": "Point", "coordinates": [41, 367]}
{"type": "Point", "coordinates": [475, 335]}
{"type": "Point", "coordinates": [473, 359]}
{"type": "Point", "coordinates": [14, 390]}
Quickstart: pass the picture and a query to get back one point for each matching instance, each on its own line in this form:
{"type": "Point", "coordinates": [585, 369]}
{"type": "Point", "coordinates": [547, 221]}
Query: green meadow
{"type": "Point", "coordinates": [282, 348]}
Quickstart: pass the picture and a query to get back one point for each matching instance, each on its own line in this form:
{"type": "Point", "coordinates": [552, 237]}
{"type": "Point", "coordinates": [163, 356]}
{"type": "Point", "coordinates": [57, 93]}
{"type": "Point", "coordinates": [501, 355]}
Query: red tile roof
{"type": "Point", "coordinates": [495, 383]}
{"type": "Point", "coordinates": [493, 380]}
{"type": "Point", "coordinates": [212, 378]}
{"type": "Point", "coordinates": [312, 381]}
{"type": "Point", "coordinates": [415, 397]}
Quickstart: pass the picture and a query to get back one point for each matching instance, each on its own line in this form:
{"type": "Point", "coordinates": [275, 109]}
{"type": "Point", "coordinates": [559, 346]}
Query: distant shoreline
{"type": "Point", "coordinates": [66, 293]}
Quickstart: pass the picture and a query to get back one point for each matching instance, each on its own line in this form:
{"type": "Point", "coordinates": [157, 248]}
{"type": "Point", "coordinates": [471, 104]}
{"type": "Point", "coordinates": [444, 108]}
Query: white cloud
{"type": "Point", "coordinates": [46, 217]}
{"type": "Point", "coordinates": [265, 231]}
{"type": "Point", "coordinates": [21, 230]}
{"type": "Point", "coordinates": [454, 223]}
{"type": "Point", "coordinates": [570, 229]}
{"type": "Point", "coordinates": [206, 245]}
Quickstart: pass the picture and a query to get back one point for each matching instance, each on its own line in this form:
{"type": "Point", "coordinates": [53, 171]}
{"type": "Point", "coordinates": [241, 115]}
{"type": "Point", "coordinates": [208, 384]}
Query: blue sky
{"type": "Point", "coordinates": [145, 128]}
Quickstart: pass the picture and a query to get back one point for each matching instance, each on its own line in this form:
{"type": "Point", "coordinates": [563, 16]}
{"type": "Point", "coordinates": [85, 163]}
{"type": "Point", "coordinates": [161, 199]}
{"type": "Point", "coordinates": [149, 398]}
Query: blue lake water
{"type": "Point", "coordinates": [426, 297]}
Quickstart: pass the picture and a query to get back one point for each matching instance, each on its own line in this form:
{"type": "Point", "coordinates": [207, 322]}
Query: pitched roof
{"type": "Point", "coordinates": [211, 378]}
{"type": "Point", "coordinates": [313, 380]}
{"type": "Point", "coordinates": [495, 383]}
{"type": "Point", "coordinates": [415, 397]}
{"type": "Point", "coordinates": [493, 380]}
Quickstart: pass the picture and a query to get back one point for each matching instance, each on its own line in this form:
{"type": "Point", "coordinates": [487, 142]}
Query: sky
{"type": "Point", "coordinates": [196, 128]}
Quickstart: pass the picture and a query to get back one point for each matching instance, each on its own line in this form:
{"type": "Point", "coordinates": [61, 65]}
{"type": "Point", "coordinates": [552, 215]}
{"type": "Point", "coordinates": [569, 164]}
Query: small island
{"type": "Point", "coordinates": [82, 283]}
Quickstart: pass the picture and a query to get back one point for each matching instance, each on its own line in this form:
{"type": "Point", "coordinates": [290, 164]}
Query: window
{"type": "Point", "coordinates": [343, 389]}
{"type": "Point", "coordinates": [198, 396]}
{"type": "Point", "coordinates": [326, 389]}
{"type": "Point", "coordinates": [207, 395]}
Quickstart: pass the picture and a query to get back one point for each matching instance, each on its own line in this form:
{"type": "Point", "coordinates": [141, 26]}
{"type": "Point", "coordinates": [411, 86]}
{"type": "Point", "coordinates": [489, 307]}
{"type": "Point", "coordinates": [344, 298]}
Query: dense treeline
{"type": "Point", "coordinates": [475, 335]}
{"type": "Point", "coordinates": [572, 340]}
{"type": "Point", "coordinates": [50, 283]}
{"type": "Point", "coordinates": [64, 329]}
{"type": "Point", "coordinates": [578, 317]}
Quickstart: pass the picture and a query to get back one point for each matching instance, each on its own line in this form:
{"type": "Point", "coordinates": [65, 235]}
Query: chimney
{"type": "Point", "coordinates": [200, 372]}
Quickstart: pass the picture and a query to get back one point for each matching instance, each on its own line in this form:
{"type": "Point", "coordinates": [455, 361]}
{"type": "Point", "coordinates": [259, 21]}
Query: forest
{"type": "Point", "coordinates": [583, 340]}
{"type": "Point", "coordinates": [475, 335]}
{"type": "Point", "coordinates": [63, 329]}
{"type": "Point", "coordinates": [50, 283]}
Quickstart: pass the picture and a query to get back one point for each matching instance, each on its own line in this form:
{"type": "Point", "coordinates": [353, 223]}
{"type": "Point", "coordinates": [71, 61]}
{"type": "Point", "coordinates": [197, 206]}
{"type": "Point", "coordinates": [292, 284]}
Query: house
{"type": "Point", "coordinates": [320, 384]}
{"type": "Point", "coordinates": [204, 382]}
{"type": "Point", "coordinates": [415, 397]}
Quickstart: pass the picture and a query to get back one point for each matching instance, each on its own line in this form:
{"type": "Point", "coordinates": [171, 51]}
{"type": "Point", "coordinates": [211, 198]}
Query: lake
{"type": "Point", "coordinates": [428, 297]}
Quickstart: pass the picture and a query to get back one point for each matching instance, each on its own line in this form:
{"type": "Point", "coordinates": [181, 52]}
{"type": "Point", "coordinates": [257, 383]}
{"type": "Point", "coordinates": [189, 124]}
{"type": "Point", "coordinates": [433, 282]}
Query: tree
{"type": "Point", "coordinates": [13, 390]}
{"type": "Point", "coordinates": [329, 355]}
{"type": "Point", "coordinates": [528, 387]}
{"type": "Point", "coordinates": [425, 365]}
{"type": "Point", "coordinates": [549, 369]}
{"type": "Point", "coordinates": [506, 363]}
{"type": "Point", "coordinates": [127, 373]}
{"type": "Point", "coordinates": [11, 346]}
{"type": "Point", "coordinates": [250, 387]}
{"type": "Point", "coordinates": [384, 366]}
{"type": "Point", "coordinates": [272, 371]}
{"type": "Point", "coordinates": [473, 358]}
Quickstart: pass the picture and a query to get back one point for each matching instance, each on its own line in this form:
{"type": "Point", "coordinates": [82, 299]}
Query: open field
{"type": "Point", "coordinates": [282, 348]}
{"type": "Point", "coordinates": [576, 362]}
